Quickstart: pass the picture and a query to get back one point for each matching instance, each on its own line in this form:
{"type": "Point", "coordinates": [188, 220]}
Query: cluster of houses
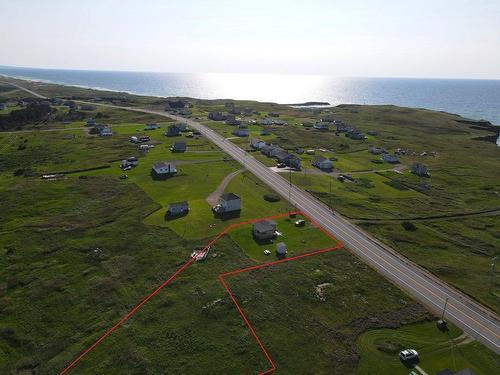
{"type": "Point", "coordinates": [179, 107]}
{"type": "Point", "coordinates": [281, 155]}
{"type": "Point", "coordinates": [100, 129]}
{"type": "Point", "coordinates": [228, 203]}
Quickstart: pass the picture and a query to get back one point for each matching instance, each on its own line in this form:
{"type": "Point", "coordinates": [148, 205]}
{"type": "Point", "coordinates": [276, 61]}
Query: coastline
{"type": "Point", "coordinates": [304, 104]}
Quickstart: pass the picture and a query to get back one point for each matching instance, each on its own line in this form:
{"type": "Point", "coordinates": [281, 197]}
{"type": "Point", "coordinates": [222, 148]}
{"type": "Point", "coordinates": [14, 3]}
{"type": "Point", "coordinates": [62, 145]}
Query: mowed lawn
{"type": "Point", "coordinates": [379, 350]}
{"type": "Point", "coordinates": [298, 240]}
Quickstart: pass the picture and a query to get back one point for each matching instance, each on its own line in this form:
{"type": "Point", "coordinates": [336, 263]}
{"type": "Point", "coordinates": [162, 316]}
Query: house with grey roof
{"type": "Point", "coordinates": [420, 170]}
{"type": "Point", "coordinates": [241, 131]}
{"type": "Point", "coordinates": [264, 230]}
{"type": "Point", "coordinates": [179, 146]}
{"type": "Point", "coordinates": [173, 131]}
{"type": "Point", "coordinates": [322, 163]}
{"type": "Point", "coordinates": [388, 158]}
{"type": "Point", "coordinates": [257, 144]}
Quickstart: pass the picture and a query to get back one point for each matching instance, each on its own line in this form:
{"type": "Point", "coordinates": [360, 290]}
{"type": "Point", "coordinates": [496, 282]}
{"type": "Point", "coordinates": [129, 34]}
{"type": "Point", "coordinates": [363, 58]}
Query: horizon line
{"type": "Point", "coordinates": [250, 73]}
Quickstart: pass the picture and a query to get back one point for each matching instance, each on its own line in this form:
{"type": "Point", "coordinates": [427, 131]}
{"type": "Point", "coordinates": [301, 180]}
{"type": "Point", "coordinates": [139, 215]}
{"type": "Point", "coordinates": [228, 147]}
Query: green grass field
{"type": "Point", "coordinates": [79, 252]}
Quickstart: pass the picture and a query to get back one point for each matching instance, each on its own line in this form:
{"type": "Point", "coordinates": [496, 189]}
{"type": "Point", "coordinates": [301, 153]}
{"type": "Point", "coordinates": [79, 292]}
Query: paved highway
{"type": "Point", "coordinates": [474, 319]}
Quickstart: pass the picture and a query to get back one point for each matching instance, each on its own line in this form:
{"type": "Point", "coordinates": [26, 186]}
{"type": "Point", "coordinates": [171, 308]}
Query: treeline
{"type": "Point", "coordinates": [34, 112]}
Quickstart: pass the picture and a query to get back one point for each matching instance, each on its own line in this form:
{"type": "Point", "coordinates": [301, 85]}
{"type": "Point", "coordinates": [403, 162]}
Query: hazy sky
{"type": "Point", "coordinates": [420, 38]}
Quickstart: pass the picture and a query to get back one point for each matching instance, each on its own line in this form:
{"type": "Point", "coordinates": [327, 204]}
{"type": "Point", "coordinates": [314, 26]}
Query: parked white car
{"type": "Point", "coordinates": [267, 252]}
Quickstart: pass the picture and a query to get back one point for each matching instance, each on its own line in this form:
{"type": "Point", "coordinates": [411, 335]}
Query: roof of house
{"type": "Point", "coordinates": [229, 197]}
{"type": "Point", "coordinates": [264, 225]}
{"type": "Point", "coordinates": [164, 164]}
{"type": "Point", "coordinates": [180, 205]}
{"type": "Point", "coordinates": [178, 144]}
{"type": "Point", "coordinates": [319, 159]}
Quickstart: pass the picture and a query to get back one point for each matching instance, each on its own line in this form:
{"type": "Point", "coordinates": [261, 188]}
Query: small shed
{"type": "Point", "coordinates": [281, 249]}
{"type": "Point", "coordinates": [178, 208]}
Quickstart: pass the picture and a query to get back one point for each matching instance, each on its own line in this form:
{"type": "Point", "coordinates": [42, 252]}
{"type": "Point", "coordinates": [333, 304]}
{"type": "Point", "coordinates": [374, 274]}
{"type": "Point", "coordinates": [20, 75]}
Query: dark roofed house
{"type": "Point", "coordinates": [282, 156]}
{"type": "Point", "coordinates": [163, 169]}
{"type": "Point", "coordinates": [388, 158]}
{"type": "Point", "coordinates": [355, 135]}
{"type": "Point", "coordinates": [87, 107]}
{"type": "Point", "coordinates": [91, 122]}
{"type": "Point", "coordinates": [173, 131]}
{"type": "Point", "coordinates": [293, 161]}
{"type": "Point", "coordinates": [179, 146]}
{"type": "Point", "coordinates": [241, 131]}
{"type": "Point", "coordinates": [216, 116]}
{"type": "Point", "coordinates": [257, 144]}
{"type": "Point", "coordinates": [178, 208]}
{"type": "Point", "coordinates": [321, 126]}
{"type": "Point", "coordinates": [377, 150]}
{"type": "Point", "coordinates": [264, 230]}
{"type": "Point", "coordinates": [231, 120]}
{"type": "Point", "coordinates": [2, 106]}
{"type": "Point", "coordinates": [420, 170]}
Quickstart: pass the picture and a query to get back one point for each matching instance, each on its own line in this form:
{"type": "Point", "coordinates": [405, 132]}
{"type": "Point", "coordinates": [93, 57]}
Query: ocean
{"type": "Point", "coordinates": [475, 99]}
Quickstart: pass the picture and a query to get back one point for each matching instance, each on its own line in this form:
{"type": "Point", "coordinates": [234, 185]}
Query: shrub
{"type": "Point", "coordinates": [409, 226]}
{"type": "Point", "coordinates": [272, 197]}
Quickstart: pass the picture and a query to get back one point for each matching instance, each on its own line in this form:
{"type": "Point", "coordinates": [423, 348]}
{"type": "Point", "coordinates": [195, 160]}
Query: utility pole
{"type": "Point", "coordinates": [444, 308]}
{"type": "Point", "coordinates": [330, 193]}
{"type": "Point", "coordinates": [493, 269]}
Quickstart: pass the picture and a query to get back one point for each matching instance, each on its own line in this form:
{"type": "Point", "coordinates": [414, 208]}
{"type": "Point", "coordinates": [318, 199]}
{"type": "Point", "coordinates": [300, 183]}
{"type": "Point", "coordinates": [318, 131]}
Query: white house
{"type": "Point", "coordinates": [163, 169]}
{"type": "Point", "coordinates": [322, 163]}
{"type": "Point", "coordinates": [228, 202]}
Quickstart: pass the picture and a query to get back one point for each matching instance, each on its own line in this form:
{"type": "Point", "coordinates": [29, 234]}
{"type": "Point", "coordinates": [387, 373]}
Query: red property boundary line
{"type": "Point", "coordinates": [221, 279]}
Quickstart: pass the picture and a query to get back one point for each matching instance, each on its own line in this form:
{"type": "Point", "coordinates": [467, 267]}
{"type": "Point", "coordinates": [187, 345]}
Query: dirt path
{"type": "Point", "coordinates": [213, 198]}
